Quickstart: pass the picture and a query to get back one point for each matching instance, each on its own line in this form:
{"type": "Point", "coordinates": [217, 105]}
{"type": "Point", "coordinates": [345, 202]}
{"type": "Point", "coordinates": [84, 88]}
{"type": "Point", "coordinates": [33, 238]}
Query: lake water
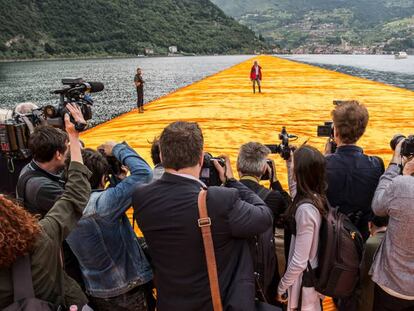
{"type": "Point", "coordinates": [33, 81]}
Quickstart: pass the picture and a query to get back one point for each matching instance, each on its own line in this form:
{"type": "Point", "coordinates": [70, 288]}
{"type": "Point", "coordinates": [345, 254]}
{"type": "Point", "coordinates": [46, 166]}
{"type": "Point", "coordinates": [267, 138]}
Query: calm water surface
{"type": "Point", "coordinates": [33, 81]}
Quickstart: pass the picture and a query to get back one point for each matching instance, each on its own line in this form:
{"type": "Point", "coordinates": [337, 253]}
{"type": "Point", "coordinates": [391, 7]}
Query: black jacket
{"type": "Point", "coordinates": [263, 246]}
{"type": "Point", "coordinates": [167, 213]}
{"type": "Point", "coordinates": [352, 180]}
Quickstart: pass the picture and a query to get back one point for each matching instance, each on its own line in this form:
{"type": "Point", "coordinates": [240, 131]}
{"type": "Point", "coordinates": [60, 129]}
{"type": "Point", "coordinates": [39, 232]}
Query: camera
{"type": "Point", "coordinates": [407, 147]}
{"type": "Point", "coordinates": [15, 131]}
{"type": "Point", "coordinates": [266, 175]}
{"type": "Point", "coordinates": [209, 174]}
{"type": "Point", "coordinates": [327, 130]}
{"type": "Point", "coordinates": [283, 148]}
{"type": "Point", "coordinates": [114, 168]}
{"type": "Point", "coordinates": [76, 92]}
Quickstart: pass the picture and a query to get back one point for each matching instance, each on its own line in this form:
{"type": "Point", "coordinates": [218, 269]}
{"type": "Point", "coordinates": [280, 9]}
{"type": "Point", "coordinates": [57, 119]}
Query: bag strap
{"type": "Point", "coordinates": [204, 222]}
{"type": "Point", "coordinates": [22, 279]}
{"type": "Point", "coordinates": [22, 182]}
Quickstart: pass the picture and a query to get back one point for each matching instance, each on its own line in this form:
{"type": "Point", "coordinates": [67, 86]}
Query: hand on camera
{"type": "Point", "coordinates": [108, 147]}
{"type": "Point", "coordinates": [272, 171]}
{"type": "Point", "coordinates": [76, 113]}
{"type": "Point", "coordinates": [409, 168]}
{"type": "Point", "coordinates": [70, 128]}
{"type": "Point", "coordinates": [282, 299]}
{"type": "Point", "coordinates": [226, 172]}
{"type": "Point", "coordinates": [123, 174]}
{"type": "Point", "coordinates": [397, 158]}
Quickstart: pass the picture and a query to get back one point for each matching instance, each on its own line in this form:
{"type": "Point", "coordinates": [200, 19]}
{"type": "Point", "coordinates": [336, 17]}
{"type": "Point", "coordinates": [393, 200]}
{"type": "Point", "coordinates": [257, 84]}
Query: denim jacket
{"type": "Point", "coordinates": [111, 260]}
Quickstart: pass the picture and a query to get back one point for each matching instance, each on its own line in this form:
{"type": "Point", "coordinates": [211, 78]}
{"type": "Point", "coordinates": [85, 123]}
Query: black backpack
{"type": "Point", "coordinates": [340, 254]}
{"type": "Point", "coordinates": [24, 298]}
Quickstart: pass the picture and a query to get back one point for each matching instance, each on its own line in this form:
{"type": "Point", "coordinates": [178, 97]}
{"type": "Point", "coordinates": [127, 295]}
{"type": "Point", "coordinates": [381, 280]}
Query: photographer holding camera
{"type": "Point", "coordinates": [252, 165]}
{"type": "Point", "coordinates": [33, 246]}
{"type": "Point", "coordinates": [393, 267]}
{"type": "Point", "coordinates": [41, 182]}
{"type": "Point", "coordinates": [114, 267]}
{"type": "Point", "coordinates": [352, 176]}
{"type": "Point", "coordinates": [168, 214]}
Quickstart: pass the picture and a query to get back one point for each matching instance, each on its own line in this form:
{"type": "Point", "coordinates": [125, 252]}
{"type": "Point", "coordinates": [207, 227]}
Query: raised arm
{"type": "Point", "coordinates": [119, 198]}
{"type": "Point", "coordinates": [66, 212]}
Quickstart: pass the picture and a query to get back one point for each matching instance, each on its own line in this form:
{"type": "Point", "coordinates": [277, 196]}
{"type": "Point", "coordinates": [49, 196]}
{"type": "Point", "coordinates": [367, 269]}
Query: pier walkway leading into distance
{"type": "Point", "coordinates": [295, 95]}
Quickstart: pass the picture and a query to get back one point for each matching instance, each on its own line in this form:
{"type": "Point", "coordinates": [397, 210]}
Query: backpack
{"type": "Point", "coordinates": [23, 292]}
{"type": "Point", "coordinates": [340, 254]}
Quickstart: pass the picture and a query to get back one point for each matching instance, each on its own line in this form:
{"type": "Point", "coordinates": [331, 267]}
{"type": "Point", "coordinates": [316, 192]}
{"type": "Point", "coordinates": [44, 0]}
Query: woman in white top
{"type": "Point", "coordinates": [307, 184]}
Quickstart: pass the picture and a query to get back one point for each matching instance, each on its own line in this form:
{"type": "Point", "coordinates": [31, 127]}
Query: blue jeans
{"type": "Point", "coordinates": [134, 300]}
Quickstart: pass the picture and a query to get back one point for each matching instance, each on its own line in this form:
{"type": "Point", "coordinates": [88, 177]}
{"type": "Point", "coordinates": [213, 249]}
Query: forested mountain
{"type": "Point", "coordinates": [336, 25]}
{"type": "Point", "coordinates": [42, 28]}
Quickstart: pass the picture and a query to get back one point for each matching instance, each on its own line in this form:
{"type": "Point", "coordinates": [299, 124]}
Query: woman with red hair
{"type": "Point", "coordinates": [23, 234]}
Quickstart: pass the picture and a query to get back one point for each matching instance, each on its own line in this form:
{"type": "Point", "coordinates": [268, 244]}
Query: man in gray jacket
{"type": "Point", "coordinates": [393, 267]}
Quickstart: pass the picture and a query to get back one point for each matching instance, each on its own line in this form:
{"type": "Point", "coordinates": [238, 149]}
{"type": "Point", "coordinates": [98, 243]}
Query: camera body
{"type": "Point", "coordinates": [209, 174]}
{"type": "Point", "coordinates": [266, 175]}
{"type": "Point", "coordinates": [407, 147]}
{"type": "Point", "coordinates": [327, 130]}
{"type": "Point", "coordinates": [283, 148]}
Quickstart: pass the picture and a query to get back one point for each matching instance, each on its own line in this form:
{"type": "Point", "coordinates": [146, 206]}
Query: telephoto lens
{"type": "Point", "coordinates": [395, 140]}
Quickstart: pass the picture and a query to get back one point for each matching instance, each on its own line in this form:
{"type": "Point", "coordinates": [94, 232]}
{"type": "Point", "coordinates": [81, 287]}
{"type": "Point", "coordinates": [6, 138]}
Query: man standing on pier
{"type": "Point", "coordinates": [139, 83]}
{"type": "Point", "coordinates": [256, 76]}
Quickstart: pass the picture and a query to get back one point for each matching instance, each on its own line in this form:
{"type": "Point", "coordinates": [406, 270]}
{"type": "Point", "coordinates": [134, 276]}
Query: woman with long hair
{"type": "Point", "coordinates": [23, 234]}
{"type": "Point", "coordinates": [307, 183]}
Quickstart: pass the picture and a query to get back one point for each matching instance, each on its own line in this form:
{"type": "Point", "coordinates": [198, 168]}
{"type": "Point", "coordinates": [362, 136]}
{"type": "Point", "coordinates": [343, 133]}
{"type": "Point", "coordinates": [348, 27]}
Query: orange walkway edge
{"type": "Point", "coordinates": [295, 95]}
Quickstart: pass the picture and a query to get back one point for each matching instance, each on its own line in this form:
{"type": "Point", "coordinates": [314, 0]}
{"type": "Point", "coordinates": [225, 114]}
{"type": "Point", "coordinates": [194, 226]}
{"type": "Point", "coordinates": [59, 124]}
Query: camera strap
{"type": "Point", "coordinates": [204, 222]}
{"type": "Point", "coordinates": [28, 123]}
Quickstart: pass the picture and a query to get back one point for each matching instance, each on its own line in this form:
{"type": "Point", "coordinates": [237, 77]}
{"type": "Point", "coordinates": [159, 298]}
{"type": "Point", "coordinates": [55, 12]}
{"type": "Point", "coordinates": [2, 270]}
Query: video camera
{"type": "Point", "coordinates": [283, 148]}
{"type": "Point", "coordinates": [209, 174]}
{"type": "Point", "coordinates": [15, 131]}
{"type": "Point", "coordinates": [407, 147]}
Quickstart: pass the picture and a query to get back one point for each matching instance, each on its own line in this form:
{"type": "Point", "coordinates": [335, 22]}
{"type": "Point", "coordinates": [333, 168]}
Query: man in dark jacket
{"type": "Point", "coordinates": [167, 214]}
{"type": "Point", "coordinates": [41, 182]}
{"type": "Point", "coordinates": [251, 166]}
{"type": "Point", "coordinates": [352, 175]}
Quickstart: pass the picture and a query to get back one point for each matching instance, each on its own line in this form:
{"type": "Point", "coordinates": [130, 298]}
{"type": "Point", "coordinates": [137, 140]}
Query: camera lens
{"type": "Point", "coordinates": [395, 140]}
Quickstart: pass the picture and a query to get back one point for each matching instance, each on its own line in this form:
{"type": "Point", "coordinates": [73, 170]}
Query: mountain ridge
{"type": "Point", "coordinates": [328, 25]}
{"type": "Point", "coordinates": [53, 28]}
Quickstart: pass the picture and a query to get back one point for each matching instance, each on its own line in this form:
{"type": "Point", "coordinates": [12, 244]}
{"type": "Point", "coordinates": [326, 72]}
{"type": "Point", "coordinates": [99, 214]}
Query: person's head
{"type": "Point", "coordinates": [19, 231]}
{"type": "Point", "coordinates": [155, 151]}
{"type": "Point", "coordinates": [309, 168]}
{"type": "Point", "coordinates": [181, 146]}
{"type": "Point", "coordinates": [139, 71]}
{"type": "Point", "coordinates": [98, 165]}
{"type": "Point", "coordinates": [252, 159]}
{"type": "Point", "coordinates": [256, 63]}
{"type": "Point", "coordinates": [25, 108]}
{"type": "Point", "coordinates": [49, 145]}
{"type": "Point", "coordinates": [350, 121]}
{"type": "Point", "coordinates": [376, 223]}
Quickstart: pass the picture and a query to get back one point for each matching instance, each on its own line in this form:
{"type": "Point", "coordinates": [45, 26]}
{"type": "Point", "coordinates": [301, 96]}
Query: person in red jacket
{"type": "Point", "coordinates": [256, 76]}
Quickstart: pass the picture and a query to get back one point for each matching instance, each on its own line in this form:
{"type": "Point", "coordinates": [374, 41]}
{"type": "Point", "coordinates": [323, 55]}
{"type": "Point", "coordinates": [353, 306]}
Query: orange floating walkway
{"type": "Point", "coordinates": [295, 95]}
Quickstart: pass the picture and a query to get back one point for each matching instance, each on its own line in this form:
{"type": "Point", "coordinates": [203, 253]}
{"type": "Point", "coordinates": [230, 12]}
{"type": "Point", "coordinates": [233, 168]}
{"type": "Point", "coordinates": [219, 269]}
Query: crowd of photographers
{"type": "Point", "coordinates": [68, 242]}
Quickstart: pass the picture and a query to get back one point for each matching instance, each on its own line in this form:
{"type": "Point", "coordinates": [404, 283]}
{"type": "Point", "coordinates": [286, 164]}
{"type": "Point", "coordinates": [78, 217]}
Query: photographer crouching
{"type": "Point", "coordinates": [114, 267]}
{"type": "Point", "coordinates": [33, 248]}
{"type": "Point", "coordinates": [393, 267]}
{"type": "Point", "coordinates": [252, 166]}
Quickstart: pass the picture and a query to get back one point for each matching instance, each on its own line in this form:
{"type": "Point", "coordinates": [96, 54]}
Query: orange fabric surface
{"type": "Point", "coordinates": [295, 95]}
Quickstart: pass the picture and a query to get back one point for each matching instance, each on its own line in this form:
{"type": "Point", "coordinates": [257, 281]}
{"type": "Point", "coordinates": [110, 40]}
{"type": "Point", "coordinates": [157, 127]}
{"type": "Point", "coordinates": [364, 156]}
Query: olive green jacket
{"type": "Point", "coordinates": [50, 282]}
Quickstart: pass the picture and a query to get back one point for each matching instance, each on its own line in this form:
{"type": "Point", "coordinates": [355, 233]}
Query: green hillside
{"type": "Point", "coordinates": [43, 28]}
{"type": "Point", "coordinates": [328, 25]}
